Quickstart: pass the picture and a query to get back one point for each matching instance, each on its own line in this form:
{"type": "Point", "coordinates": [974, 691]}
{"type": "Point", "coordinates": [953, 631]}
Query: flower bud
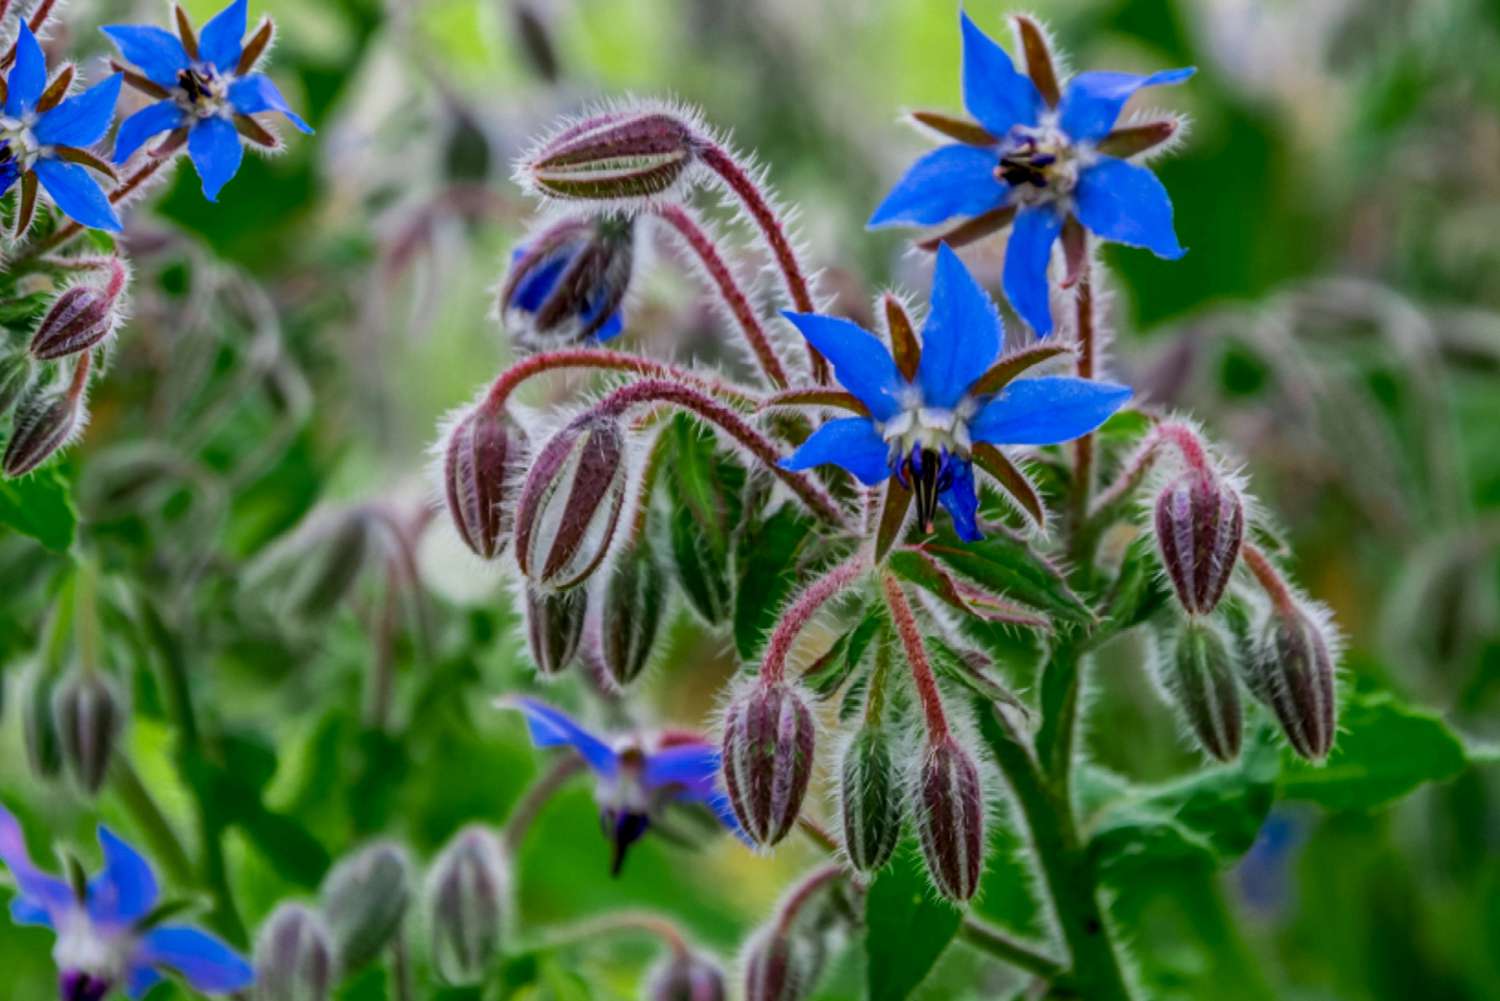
{"type": "Point", "coordinates": [768, 756]}
{"type": "Point", "coordinates": [568, 280]}
{"type": "Point", "coordinates": [1292, 672]}
{"type": "Point", "coordinates": [482, 459]}
{"type": "Point", "coordinates": [1200, 677]}
{"type": "Point", "coordinates": [39, 726]}
{"type": "Point", "coordinates": [89, 716]}
{"type": "Point", "coordinates": [1200, 524]}
{"type": "Point", "coordinates": [950, 818]}
{"type": "Point", "coordinates": [571, 502]}
{"type": "Point", "coordinates": [554, 627]}
{"type": "Point", "coordinates": [78, 320]}
{"type": "Point", "coordinates": [869, 799]}
{"type": "Point", "coordinates": [15, 376]}
{"type": "Point", "coordinates": [614, 155]}
{"type": "Point", "coordinates": [364, 899]}
{"type": "Point", "coordinates": [294, 958]}
{"type": "Point", "coordinates": [327, 569]}
{"type": "Point", "coordinates": [634, 595]}
{"type": "Point", "coordinates": [44, 422]}
{"type": "Point", "coordinates": [686, 976]}
{"type": "Point", "coordinates": [467, 892]}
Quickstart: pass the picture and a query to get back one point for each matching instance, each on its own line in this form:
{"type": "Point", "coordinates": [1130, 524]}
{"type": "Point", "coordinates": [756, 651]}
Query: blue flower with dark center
{"type": "Point", "coordinates": [568, 280]}
{"type": "Point", "coordinates": [43, 139]}
{"type": "Point", "coordinates": [106, 940]}
{"type": "Point", "coordinates": [1041, 160]}
{"type": "Point", "coordinates": [636, 782]}
{"type": "Point", "coordinates": [922, 421]}
{"type": "Point", "coordinates": [207, 92]}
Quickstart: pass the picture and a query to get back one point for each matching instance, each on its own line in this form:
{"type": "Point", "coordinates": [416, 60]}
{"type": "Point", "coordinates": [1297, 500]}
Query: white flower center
{"type": "Point", "coordinates": [83, 947]}
{"type": "Point", "coordinates": [925, 428]}
{"type": "Point", "coordinates": [1041, 163]}
{"type": "Point", "coordinates": [203, 92]}
{"type": "Point", "coordinates": [20, 142]}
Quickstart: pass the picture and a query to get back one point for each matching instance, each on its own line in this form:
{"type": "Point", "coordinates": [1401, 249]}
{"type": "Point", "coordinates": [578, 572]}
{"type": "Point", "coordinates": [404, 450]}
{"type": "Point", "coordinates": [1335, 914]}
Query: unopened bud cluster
{"type": "Point", "coordinates": [768, 745]}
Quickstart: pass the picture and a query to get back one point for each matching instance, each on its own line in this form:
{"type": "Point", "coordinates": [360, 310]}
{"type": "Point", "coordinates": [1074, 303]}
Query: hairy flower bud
{"type": "Point", "coordinates": [1292, 671]}
{"type": "Point", "coordinates": [1200, 525]}
{"type": "Point", "coordinates": [568, 280]}
{"type": "Point", "coordinates": [294, 958]}
{"type": "Point", "coordinates": [687, 976]}
{"type": "Point", "coordinates": [611, 156]}
{"type": "Point", "coordinates": [571, 502]}
{"type": "Point", "coordinates": [949, 804]}
{"type": "Point", "coordinates": [870, 799]}
{"type": "Point", "coordinates": [768, 755]}
{"type": "Point", "coordinates": [1199, 675]}
{"type": "Point", "coordinates": [467, 892]}
{"type": "Point", "coordinates": [38, 725]}
{"type": "Point", "coordinates": [364, 899]}
{"type": "Point", "coordinates": [89, 717]}
{"type": "Point", "coordinates": [554, 627]}
{"type": "Point", "coordinates": [15, 376]}
{"type": "Point", "coordinates": [44, 422]}
{"type": "Point", "coordinates": [482, 459]}
{"type": "Point", "coordinates": [79, 319]}
{"type": "Point", "coordinates": [634, 596]}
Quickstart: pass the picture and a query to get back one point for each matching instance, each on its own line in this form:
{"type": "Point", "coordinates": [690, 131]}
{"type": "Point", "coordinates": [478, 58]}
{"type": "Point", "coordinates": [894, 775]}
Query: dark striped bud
{"type": "Point", "coordinates": [1200, 525]}
{"type": "Point", "coordinates": [870, 799]}
{"type": "Point", "coordinates": [481, 462]}
{"type": "Point", "coordinates": [635, 594]}
{"type": "Point", "coordinates": [781, 965]}
{"type": "Point", "coordinates": [89, 717]}
{"type": "Point", "coordinates": [687, 976]}
{"type": "Point", "coordinates": [1199, 675]}
{"type": "Point", "coordinates": [768, 756]}
{"type": "Point", "coordinates": [43, 424]}
{"type": "Point", "coordinates": [554, 627]}
{"type": "Point", "coordinates": [294, 958]}
{"type": "Point", "coordinates": [467, 895]}
{"type": "Point", "coordinates": [327, 569]}
{"type": "Point", "coordinates": [568, 281]}
{"type": "Point", "coordinates": [613, 156]}
{"type": "Point", "coordinates": [15, 376]}
{"type": "Point", "coordinates": [1292, 672]}
{"type": "Point", "coordinates": [571, 502]}
{"type": "Point", "coordinates": [364, 900]}
{"type": "Point", "coordinates": [949, 806]}
{"type": "Point", "coordinates": [78, 320]}
{"type": "Point", "coordinates": [38, 725]}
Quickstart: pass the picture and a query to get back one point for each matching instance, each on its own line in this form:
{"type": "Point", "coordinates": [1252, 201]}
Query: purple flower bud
{"type": "Point", "coordinates": [949, 805]}
{"type": "Point", "coordinates": [768, 755]}
{"type": "Point", "coordinates": [1292, 672]}
{"type": "Point", "coordinates": [328, 567]}
{"type": "Point", "coordinates": [364, 900]}
{"type": "Point", "coordinates": [44, 422]}
{"type": "Point", "coordinates": [467, 894]}
{"type": "Point", "coordinates": [571, 502]}
{"type": "Point", "coordinates": [612, 156]}
{"type": "Point", "coordinates": [1200, 678]}
{"type": "Point", "coordinates": [687, 976]}
{"type": "Point", "coordinates": [776, 968]}
{"type": "Point", "coordinates": [89, 716]}
{"type": "Point", "coordinates": [568, 280]}
{"type": "Point", "coordinates": [15, 376]}
{"type": "Point", "coordinates": [294, 958]}
{"type": "Point", "coordinates": [870, 799]}
{"type": "Point", "coordinates": [39, 726]}
{"type": "Point", "coordinates": [634, 596]}
{"type": "Point", "coordinates": [554, 627]}
{"type": "Point", "coordinates": [78, 320]}
{"type": "Point", "coordinates": [1200, 525]}
{"type": "Point", "coordinates": [481, 461]}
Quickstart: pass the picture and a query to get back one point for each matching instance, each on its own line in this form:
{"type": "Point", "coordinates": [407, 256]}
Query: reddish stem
{"type": "Point", "coordinates": [38, 21]}
{"type": "Point", "coordinates": [1182, 437]}
{"type": "Point", "coordinates": [916, 655]}
{"type": "Point", "coordinates": [80, 379]}
{"type": "Point", "coordinates": [65, 233]}
{"type": "Point", "coordinates": [1083, 447]}
{"type": "Point", "coordinates": [802, 893]}
{"type": "Point", "coordinates": [599, 358]}
{"type": "Point", "coordinates": [800, 613]}
{"type": "Point", "coordinates": [1270, 579]}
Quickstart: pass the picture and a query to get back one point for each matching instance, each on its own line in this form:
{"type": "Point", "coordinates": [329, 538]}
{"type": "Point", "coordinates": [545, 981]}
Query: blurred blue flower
{"type": "Point", "coordinates": [106, 940]}
{"type": "Point", "coordinates": [207, 91]}
{"type": "Point", "coordinates": [534, 289]}
{"type": "Point", "coordinates": [922, 429]}
{"type": "Point", "coordinates": [1263, 873]}
{"type": "Point", "coordinates": [43, 139]}
{"type": "Point", "coordinates": [1042, 163]}
{"type": "Point", "coordinates": [568, 280]}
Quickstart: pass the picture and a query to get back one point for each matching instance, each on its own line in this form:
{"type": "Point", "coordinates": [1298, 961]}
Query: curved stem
{"type": "Point", "coordinates": [525, 812]}
{"type": "Point", "coordinates": [800, 613]}
{"type": "Point", "coordinates": [916, 655]}
{"type": "Point", "coordinates": [600, 358]}
{"type": "Point", "coordinates": [793, 902]}
{"type": "Point", "coordinates": [619, 921]}
{"type": "Point", "coordinates": [1270, 578]}
{"type": "Point", "coordinates": [166, 846]}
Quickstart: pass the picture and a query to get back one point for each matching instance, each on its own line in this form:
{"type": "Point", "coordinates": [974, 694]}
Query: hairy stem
{"type": "Point", "coordinates": [916, 655]}
{"type": "Point", "coordinates": [601, 358]}
{"type": "Point", "coordinates": [65, 233]}
{"type": "Point", "coordinates": [1269, 578]}
{"type": "Point", "coordinates": [616, 923]}
{"type": "Point", "coordinates": [1083, 447]}
{"type": "Point", "coordinates": [800, 613]}
{"type": "Point", "coordinates": [529, 807]}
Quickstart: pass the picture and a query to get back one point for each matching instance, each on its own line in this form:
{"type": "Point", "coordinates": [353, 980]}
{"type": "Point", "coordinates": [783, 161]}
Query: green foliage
{"type": "Point", "coordinates": [40, 506]}
{"type": "Point", "coordinates": [907, 927]}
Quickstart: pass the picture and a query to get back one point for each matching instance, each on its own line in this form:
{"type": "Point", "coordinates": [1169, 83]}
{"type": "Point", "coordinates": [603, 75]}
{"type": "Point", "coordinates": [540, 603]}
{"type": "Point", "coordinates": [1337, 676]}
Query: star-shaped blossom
{"type": "Point", "coordinates": [924, 418]}
{"type": "Point", "coordinates": [207, 92]}
{"type": "Point", "coordinates": [1039, 159]}
{"type": "Point", "coordinates": [106, 940]}
{"type": "Point", "coordinates": [44, 138]}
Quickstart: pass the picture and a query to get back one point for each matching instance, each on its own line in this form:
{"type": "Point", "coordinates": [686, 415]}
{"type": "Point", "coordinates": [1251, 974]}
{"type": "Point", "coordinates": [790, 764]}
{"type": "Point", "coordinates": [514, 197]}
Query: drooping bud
{"type": "Point", "coordinates": [44, 422]}
{"type": "Point", "coordinates": [634, 596]}
{"type": "Point", "coordinates": [949, 804]}
{"type": "Point", "coordinates": [568, 280]}
{"type": "Point", "coordinates": [571, 502]}
{"type": "Point", "coordinates": [480, 462]}
{"type": "Point", "coordinates": [612, 156]}
{"type": "Point", "coordinates": [364, 900]}
{"type": "Point", "coordinates": [1199, 675]}
{"type": "Point", "coordinates": [38, 725]}
{"type": "Point", "coordinates": [870, 799]}
{"type": "Point", "coordinates": [687, 976]}
{"type": "Point", "coordinates": [15, 376]}
{"type": "Point", "coordinates": [1200, 526]}
{"type": "Point", "coordinates": [785, 958]}
{"type": "Point", "coordinates": [467, 892]}
{"type": "Point", "coordinates": [78, 320]}
{"type": "Point", "coordinates": [328, 567]}
{"type": "Point", "coordinates": [89, 716]}
{"type": "Point", "coordinates": [554, 627]}
{"type": "Point", "coordinates": [1292, 672]}
{"type": "Point", "coordinates": [768, 755]}
{"type": "Point", "coordinates": [778, 967]}
{"type": "Point", "coordinates": [294, 958]}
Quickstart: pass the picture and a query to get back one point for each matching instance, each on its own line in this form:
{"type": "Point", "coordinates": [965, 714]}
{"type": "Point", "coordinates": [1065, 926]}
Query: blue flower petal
{"type": "Point", "coordinates": [1092, 101]}
{"type": "Point", "coordinates": [25, 911]}
{"type": "Point", "coordinates": [126, 889]}
{"type": "Point", "coordinates": [533, 290]}
{"type": "Point", "coordinates": [205, 962]}
{"type": "Point", "coordinates": [215, 149]}
{"type": "Point", "coordinates": [550, 728]}
{"type": "Point", "coordinates": [28, 77]}
{"type": "Point", "coordinates": [43, 894]}
{"type": "Point", "coordinates": [692, 766]}
{"type": "Point", "coordinates": [10, 173]}
{"type": "Point", "coordinates": [860, 361]}
{"type": "Point", "coordinates": [1046, 410]}
{"type": "Point", "coordinates": [950, 181]}
{"type": "Point", "coordinates": [994, 92]}
{"type": "Point", "coordinates": [152, 120]}
{"type": "Point", "coordinates": [76, 192]}
{"type": "Point", "coordinates": [848, 442]}
{"type": "Point", "coordinates": [219, 41]}
{"type": "Point", "coordinates": [157, 52]}
{"type": "Point", "coordinates": [256, 93]}
{"type": "Point", "coordinates": [82, 119]}
{"type": "Point", "coordinates": [1125, 202]}
{"type": "Point", "coordinates": [961, 337]}
{"type": "Point", "coordinates": [1027, 255]}
{"type": "Point", "coordinates": [612, 328]}
{"type": "Point", "coordinates": [139, 981]}
{"type": "Point", "coordinates": [961, 502]}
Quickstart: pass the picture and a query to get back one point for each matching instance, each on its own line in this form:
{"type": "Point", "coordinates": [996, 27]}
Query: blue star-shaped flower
{"type": "Point", "coordinates": [43, 139]}
{"type": "Point", "coordinates": [1041, 160]}
{"type": "Point", "coordinates": [101, 943]}
{"type": "Point", "coordinates": [923, 427]}
{"type": "Point", "coordinates": [207, 91]}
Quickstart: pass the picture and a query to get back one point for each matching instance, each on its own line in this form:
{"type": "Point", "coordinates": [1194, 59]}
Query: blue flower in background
{"type": "Point", "coordinates": [634, 783]}
{"type": "Point", "coordinates": [922, 429]}
{"type": "Point", "coordinates": [1043, 164]}
{"type": "Point", "coordinates": [207, 91]}
{"type": "Point", "coordinates": [568, 281]}
{"type": "Point", "coordinates": [43, 140]}
{"type": "Point", "coordinates": [103, 940]}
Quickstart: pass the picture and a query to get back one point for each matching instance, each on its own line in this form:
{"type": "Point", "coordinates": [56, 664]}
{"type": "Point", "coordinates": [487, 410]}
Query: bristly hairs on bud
{"type": "Point", "coordinates": [86, 313]}
{"type": "Point", "coordinates": [48, 420]}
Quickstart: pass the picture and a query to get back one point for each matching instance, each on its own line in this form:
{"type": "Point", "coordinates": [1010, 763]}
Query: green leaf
{"type": "Point", "coordinates": [922, 570]}
{"type": "Point", "coordinates": [705, 490]}
{"type": "Point", "coordinates": [830, 671]}
{"type": "Point", "coordinates": [907, 927]}
{"type": "Point", "coordinates": [1008, 567]}
{"type": "Point", "coordinates": [41, 506]}
{"type": "Point", "coordinates": [767, 570]}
